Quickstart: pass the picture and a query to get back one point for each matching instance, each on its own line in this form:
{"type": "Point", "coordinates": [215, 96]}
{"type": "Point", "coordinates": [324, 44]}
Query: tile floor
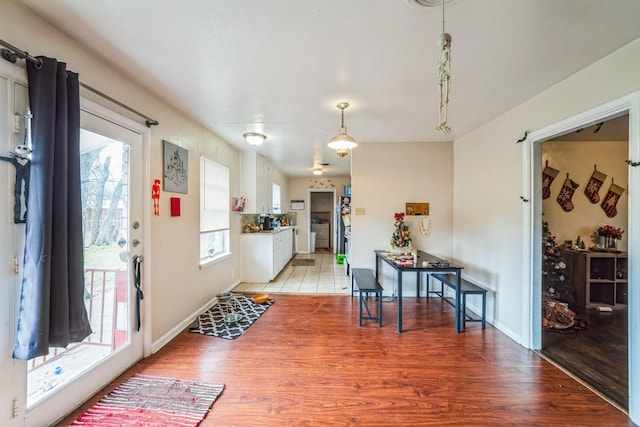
{"type": "Point", "coordinates": [326, 277]}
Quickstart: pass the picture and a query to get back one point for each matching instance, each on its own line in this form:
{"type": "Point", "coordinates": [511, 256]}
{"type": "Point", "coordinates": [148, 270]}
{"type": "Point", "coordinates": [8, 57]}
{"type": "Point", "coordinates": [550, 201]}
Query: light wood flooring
{"type": "Point", "coordinates": [306, 362]}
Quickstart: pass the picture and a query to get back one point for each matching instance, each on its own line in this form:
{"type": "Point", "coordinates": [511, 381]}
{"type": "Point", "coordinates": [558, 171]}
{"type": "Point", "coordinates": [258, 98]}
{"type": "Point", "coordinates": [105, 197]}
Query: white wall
{"type": "Point", "coordinates": [385, 176]}
{"type": "Point", "coordinates": [488, 171]}
{"type": "Point", "coordinates": [577, 158]}
{"type": "Point", "coordinates": [176, 287]}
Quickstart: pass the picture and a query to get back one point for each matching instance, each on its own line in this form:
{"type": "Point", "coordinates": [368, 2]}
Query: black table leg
{"type": "Point", "coordinates": [399, 300]}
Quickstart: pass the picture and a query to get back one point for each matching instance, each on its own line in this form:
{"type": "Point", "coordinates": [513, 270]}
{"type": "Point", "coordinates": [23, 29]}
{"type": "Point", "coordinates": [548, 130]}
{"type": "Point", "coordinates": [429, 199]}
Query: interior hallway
{"type": "Point", "coordinates": [325, 277]}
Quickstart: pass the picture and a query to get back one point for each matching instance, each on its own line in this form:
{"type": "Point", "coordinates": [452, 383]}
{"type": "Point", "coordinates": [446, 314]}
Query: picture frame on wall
{"type": "Point", "coordinates": [175, 168]}
{"type": "Point", "coordinates": [297, 205]}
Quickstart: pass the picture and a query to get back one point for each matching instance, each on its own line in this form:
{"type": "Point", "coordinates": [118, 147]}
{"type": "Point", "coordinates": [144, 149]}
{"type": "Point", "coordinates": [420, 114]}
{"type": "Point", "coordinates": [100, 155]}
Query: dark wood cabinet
{"type": "Point", "coordinates": [599, 278]}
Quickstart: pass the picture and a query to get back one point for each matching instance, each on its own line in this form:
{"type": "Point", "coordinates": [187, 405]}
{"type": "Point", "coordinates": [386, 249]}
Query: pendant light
{"type": "Point", "coordinates": [342, 142]}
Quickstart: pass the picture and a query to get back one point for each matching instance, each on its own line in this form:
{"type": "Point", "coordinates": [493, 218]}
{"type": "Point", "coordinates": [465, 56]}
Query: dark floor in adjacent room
{"type": "Point", "coordinates": [597, 355]}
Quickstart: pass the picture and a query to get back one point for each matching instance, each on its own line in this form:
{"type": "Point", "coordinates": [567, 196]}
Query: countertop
{"type": "Point", "coordinates": [274, 231]}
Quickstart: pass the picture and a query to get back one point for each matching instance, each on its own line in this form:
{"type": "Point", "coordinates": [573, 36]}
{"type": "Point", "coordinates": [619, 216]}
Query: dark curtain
{"type": "Point", "coordinates": [52, 311]}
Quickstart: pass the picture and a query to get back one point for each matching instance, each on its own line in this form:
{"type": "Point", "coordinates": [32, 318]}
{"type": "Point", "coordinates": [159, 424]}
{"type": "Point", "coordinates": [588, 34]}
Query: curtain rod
{"type": "Point", "coordinates": [12, 53]}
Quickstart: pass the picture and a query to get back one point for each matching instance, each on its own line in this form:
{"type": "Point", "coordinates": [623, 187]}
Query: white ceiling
{"type": "Point", "coordinates": [279, 67]}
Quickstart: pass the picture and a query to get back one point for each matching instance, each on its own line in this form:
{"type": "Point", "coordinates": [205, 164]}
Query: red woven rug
{"type": "Point", "coordinates": [153, 401]}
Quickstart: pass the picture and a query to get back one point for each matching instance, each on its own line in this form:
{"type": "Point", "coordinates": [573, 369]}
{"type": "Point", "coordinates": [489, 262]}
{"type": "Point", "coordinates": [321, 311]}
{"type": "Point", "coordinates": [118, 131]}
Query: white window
{"type": "Point", "coordinates": [276, 198]}
{"type": "Point", "coordinates": [214, 210]}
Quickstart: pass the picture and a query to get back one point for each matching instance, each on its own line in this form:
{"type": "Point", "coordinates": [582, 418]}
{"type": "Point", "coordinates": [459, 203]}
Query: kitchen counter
{"type": "Point", "coordinates": [265, 253]}
{"type": "Point", "coordinates": [274, 231]}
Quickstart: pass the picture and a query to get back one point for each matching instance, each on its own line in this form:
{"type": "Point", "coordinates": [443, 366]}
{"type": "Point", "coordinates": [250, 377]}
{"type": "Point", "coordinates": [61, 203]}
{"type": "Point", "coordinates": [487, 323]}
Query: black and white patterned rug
{"type": "Point", "coordinates": [211, 322]}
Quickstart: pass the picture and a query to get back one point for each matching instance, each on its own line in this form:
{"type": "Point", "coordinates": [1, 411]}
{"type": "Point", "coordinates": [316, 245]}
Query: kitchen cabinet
{"type": "Point", "coordinates": [599, 278]}
{"type": "Point", "coordinates": [265, 254]}
{"type": "Point", "coordinates": [257, 178]}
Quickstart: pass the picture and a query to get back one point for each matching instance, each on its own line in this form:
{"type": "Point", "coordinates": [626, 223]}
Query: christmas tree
{"type": "Point", "coordinates": [554, 280]}
{"type": "Point", "coordinates": [401, 238]}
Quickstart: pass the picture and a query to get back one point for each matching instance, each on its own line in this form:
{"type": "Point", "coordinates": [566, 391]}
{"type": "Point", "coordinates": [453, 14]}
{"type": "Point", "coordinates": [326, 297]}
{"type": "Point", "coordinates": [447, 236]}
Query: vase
{"type": "Point", "coordinates": [612, 243]}
{"type": "Point", "coordinates": [602, 240]}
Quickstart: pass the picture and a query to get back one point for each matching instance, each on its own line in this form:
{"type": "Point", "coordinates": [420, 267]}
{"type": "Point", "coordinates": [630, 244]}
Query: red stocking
{"type": "Point", "coordinates": [592, 188]}
{"type": "Point", "coordinates": [611, 200]}
{"type": "Point", "coordinates": [564, 198]}
{"type": "Point", "coordinates": [548, 175]}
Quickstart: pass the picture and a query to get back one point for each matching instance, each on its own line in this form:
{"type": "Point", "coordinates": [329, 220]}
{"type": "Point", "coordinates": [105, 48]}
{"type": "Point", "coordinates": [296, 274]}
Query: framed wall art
{"type": "Point", "coordinates": [175, 168]}
{"type": "Point", "coordinates": [297, 205]}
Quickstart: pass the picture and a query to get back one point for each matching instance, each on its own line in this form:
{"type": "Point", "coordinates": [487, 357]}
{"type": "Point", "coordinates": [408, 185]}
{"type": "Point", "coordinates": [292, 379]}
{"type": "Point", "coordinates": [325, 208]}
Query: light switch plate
{"type": "Point", "coordinates": [361, 211]}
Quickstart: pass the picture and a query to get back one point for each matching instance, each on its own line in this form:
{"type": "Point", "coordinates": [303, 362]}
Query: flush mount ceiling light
{"type": "Point", "coordinates": [254, 139]}
{"type": "Point", "coordinates": [342, 142]}
{"type": "Point", "coordinates": [317, 171]}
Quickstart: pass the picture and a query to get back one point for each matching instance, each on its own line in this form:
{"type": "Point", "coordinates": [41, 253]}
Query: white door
{"type": "Point", "coordinates": [42, 390]}
{"type": "Point", "coordinates": [111, 174]}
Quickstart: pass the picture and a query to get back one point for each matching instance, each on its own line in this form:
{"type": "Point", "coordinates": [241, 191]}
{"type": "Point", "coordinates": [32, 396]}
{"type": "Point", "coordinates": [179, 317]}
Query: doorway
{"type": "Point", "coordinates": [321, 220]}
{"type": "Point", "coordinates": [532, 228]}
{"type": "Point", "coordinates": [111, 174]}
{"type": "Point", "coordinates": [584, 279]}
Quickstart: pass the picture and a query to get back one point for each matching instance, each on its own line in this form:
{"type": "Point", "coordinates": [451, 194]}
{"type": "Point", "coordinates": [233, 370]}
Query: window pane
{"type": "Point", "coordinates": [213, 244]}
{"type": "Point", "coordinates": [214, 210]}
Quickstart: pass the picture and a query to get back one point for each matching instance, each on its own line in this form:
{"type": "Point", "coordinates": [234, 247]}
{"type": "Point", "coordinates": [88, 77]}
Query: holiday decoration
{"type": "Point", "coordinates": [594, 184]}
{"type": "Point", "coordinates": [564, 198]}
{"type": "Point", "coordinates": [401, 238]}
{"type": "Point", "coordinates": [554, 281]}
{"type": "Point", "coordinates": [548, 175]}
{"type": "Point", "coordinates": [611, 200]}
{"type": "Point", "coordinates": [155, 196]}
{"type": "Point", "coordinates": [556, 315]}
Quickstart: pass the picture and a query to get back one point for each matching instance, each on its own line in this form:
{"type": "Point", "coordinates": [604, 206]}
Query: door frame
{"type": "Point", "coordinates": [532, 228]}
{"type": "Point", "coordinates": [332, 216]}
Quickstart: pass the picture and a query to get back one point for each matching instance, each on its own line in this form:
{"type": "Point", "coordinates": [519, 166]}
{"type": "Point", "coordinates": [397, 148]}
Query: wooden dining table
{"type": "Point", "coordinates": [424, 263]}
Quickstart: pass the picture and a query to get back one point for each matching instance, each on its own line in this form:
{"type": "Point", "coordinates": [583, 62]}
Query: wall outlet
{"type": "Point", "coordinates": [361, 211]}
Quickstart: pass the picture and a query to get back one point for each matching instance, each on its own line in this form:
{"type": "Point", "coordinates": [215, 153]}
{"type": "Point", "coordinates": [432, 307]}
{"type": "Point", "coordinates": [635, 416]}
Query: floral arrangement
{"type": "Point", "coordinates": [401, 238]}
{"type": "Point", "coordinates": [609, 231]}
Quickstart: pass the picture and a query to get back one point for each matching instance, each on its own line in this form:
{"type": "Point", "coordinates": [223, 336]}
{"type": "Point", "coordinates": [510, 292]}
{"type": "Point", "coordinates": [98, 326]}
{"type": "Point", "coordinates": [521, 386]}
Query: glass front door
{"type": "Point", "coordinates": [111, 158]}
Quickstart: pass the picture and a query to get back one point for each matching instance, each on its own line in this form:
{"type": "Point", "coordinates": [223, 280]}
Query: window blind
{"type": "Point", "coordinates": [214, 196]}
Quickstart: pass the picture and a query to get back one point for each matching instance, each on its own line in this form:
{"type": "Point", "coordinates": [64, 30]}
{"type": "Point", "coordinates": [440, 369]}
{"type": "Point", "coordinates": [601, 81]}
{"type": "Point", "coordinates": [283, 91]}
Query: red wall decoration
{"type": "Point", "coordinates": [175, 206]}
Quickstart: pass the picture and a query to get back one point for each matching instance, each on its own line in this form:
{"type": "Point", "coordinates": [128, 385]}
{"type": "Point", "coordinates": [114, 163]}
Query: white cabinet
{"type": "Point", "coordinates": [265, 254]}
{"type": "Point", "coordinates": [257, 178]}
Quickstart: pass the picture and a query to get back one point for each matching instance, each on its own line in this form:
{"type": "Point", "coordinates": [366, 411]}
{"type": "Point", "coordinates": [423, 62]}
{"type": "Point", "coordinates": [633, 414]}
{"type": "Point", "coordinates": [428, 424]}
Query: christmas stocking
{"type": "Point", "coordinates": [564, 198]}
{"type": "Point", "coordinates": [548, 175]}
{"type": "Point", "coordinates": [595, 182]}
{"type": "Point", "coordinates": [611, 200]}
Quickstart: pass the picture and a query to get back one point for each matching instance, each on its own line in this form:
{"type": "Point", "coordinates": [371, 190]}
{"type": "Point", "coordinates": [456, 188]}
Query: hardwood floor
{"type": "Point", "coordinates": [597, 355]}
{"type": "Point", "coordinates": [306, 362]}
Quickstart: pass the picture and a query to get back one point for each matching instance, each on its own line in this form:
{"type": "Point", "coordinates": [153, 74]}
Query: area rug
{"type": "Point", "coordinates": [212, 323]}
{"type": "Point", "coordinates": [153, 401]}
{"type": "Point", "coordinates": [303, 262]}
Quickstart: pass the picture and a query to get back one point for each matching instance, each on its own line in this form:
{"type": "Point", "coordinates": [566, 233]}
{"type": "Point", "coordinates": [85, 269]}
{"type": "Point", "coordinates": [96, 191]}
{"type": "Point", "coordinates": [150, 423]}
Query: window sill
{"type": "Point", "coordinates": [210, 262]}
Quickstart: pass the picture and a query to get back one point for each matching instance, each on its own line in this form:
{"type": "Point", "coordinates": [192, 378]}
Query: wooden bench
{"type": "Point", "coordinates": [364, 282]}
{"type": "Point", "coordinates": [466, 288]}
